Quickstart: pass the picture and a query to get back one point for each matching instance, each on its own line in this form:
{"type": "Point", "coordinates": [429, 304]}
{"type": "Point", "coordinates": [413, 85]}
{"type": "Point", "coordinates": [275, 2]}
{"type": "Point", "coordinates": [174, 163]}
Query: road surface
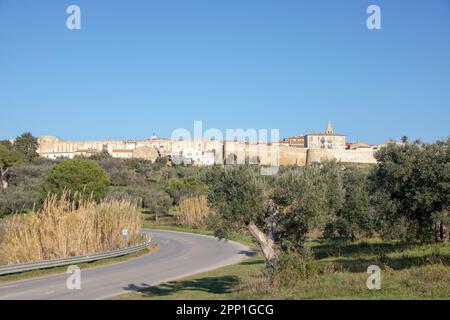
{"type": "Point", "coordinates": [178, 255]}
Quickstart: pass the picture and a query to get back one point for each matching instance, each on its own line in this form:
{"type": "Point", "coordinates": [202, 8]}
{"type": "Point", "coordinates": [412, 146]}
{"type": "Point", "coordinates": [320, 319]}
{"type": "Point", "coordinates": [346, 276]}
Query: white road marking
{"type": "Point", "coordinates": [6, 287]}
{"type": "Point", "coordinates": [49, 292]}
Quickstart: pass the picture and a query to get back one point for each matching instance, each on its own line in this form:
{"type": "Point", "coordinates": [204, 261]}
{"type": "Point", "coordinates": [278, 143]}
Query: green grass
{"type": "Point", "coordinates": [408, 272]}
{"type": "Point", "coordinates": [2, 234]}
{"type": "Point", "coordinates": [87, 265]}
{"type": "Point", "coordinates": [212, 285]}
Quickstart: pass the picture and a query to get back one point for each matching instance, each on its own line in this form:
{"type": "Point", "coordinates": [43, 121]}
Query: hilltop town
{"type": "Point", "coordinates": [297, 150]}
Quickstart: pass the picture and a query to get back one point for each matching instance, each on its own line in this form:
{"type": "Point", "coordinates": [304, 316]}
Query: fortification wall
{"type": "Point", "coordinates": [46, 144]}
{"type": "Point", "coordinates": [251, 152]}
{"type": "Point", "coordinates": [145, 152]}
{"type": "Point", "coordinates": [292, 156]}
{"type": "Point", "coordinates": [350, 156]}
{"type": "Point", "coordinates": [229, 151]}
{"type": "Point", "coordinates": [355, 156]}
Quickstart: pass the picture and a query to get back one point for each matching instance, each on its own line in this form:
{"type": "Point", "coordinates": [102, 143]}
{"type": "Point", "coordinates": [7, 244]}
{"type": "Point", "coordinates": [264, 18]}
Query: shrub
{"type": "Point", "coordinates": [291, 270]}
{"type": "Point", "coordinates": [294, 267]}
{"type": "Point", "coordinates": [193, 211]}
{"type": "Point", "coordinates": [64, 228]}
{"type": "Point", "coordinates": [77, 175]}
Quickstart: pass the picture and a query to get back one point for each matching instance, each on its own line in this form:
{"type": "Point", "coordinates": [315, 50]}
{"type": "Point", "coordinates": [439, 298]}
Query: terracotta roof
{"type": "Point", "coordinates": [294, 137]}
{"type": "Point", "coordinates": [327, 134]}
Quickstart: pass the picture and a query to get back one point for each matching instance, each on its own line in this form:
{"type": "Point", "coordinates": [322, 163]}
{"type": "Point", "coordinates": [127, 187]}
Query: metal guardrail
{"type": "Point", "coordinates": [16, 268]}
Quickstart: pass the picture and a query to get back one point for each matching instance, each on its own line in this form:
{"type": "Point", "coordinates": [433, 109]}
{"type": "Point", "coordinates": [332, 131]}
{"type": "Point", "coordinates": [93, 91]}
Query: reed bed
{"type": "Point", "coordinates": [63, 228]}
{"type": "Point", "coordinates": [193, 211]}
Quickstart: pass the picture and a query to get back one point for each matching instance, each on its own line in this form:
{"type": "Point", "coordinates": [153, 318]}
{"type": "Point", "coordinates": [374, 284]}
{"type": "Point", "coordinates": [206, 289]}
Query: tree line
{"type": "Point", "coordinates": [406, 197]}
{"type": "Point", "coordinates": [28, 179]}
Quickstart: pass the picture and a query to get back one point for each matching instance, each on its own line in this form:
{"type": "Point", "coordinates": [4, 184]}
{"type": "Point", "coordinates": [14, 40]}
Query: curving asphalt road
{"type": "Point", "coordinates": [178, 255]}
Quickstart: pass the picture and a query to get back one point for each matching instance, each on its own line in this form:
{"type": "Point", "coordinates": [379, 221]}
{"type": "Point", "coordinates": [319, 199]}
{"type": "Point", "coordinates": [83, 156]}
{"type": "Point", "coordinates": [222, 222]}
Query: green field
{"type": "Point", "coordinates": [408, 272]}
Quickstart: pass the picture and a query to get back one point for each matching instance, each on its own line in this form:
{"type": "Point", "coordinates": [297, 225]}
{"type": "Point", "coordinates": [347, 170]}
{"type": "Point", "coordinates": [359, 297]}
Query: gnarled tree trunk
{"type": "Point", "coordinates": [440, 232]}
{"type": "Point", "coordinates": [267, 241]}
{"type": "Point", "coordinates": [3, 182]}
{"type": "Point", "coordinates": [267, 245]}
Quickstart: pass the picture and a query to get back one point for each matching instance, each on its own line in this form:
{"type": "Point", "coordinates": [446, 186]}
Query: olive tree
{"type": "Point", "coordinates": [239, 199]}
{"type": "Point", "coordinates": [305, 202]}
{"type": "Point", "coordinates": [356, 217]}
{"type": "Point", "coordinates": [414, 183]}
{"type": "Point", "coordinates": [278, 211]}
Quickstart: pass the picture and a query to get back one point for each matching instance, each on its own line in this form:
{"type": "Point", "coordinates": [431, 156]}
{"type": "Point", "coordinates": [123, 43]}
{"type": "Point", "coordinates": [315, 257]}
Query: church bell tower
{"type": "Point", "coordinates": [329, 129]}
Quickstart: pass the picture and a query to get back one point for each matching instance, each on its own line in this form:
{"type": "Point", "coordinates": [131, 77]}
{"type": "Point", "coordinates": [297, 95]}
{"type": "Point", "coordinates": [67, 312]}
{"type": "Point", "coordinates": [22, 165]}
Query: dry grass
{"type": "Point", "coordinates": [63, 228]}
{"type": "Point", "coordinates": [193, 211]}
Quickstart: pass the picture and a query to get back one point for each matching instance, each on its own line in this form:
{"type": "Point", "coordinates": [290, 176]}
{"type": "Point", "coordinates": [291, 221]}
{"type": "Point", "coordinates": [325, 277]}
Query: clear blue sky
{"type": "Point", "coordinates": [138, 67]}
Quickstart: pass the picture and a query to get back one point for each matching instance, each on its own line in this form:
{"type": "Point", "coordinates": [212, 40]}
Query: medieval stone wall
{"type": "Point", "coordinates": [349, 156]}
{"type": "Point", "coordinates": [224, 151]}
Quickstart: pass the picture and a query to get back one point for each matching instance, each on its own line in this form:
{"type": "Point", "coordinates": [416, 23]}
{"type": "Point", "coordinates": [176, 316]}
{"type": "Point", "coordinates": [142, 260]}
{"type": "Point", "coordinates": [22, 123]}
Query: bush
{"type": "Point", "coordinates": [193, 211]}
{"type": "Point", "coordinates": [64, 228]}
{"type": "Point", "coordinates": [294, 267]}
{"type": "Point", "coordinates": [77, 175]}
